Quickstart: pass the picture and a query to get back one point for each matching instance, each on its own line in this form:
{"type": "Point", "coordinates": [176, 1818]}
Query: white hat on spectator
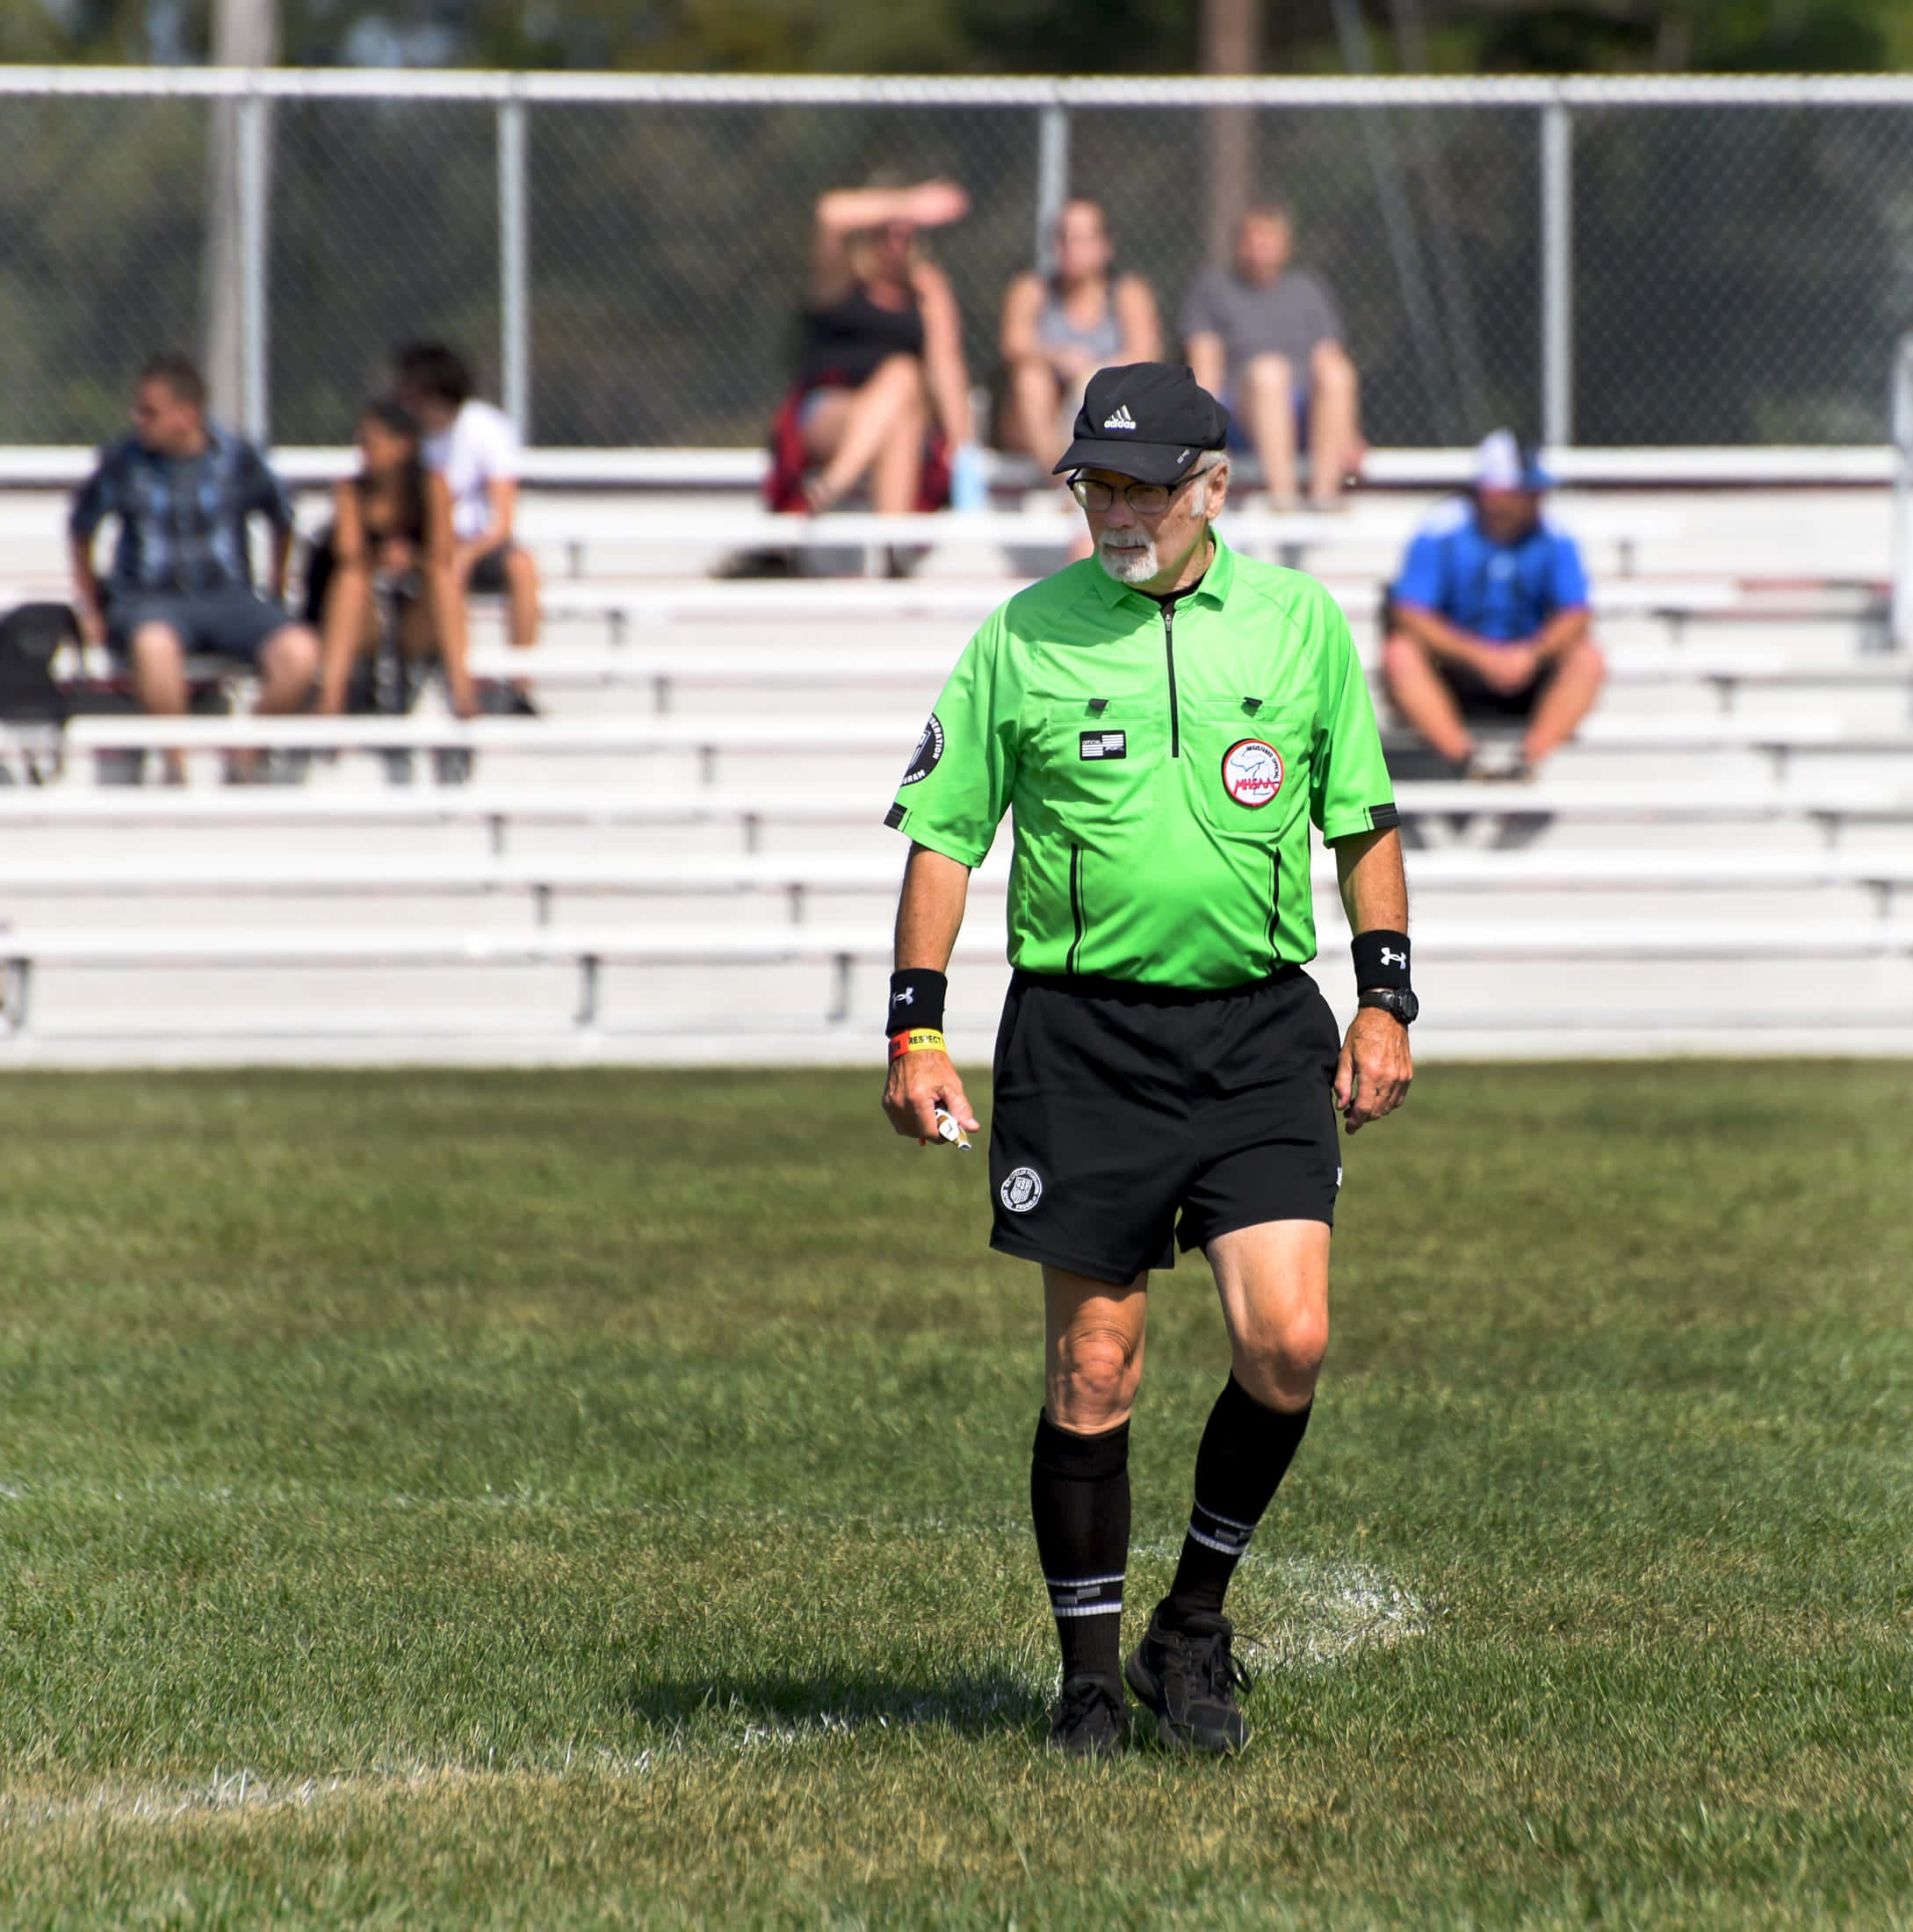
{"type": "Point", "coordinates": [1502, 463]}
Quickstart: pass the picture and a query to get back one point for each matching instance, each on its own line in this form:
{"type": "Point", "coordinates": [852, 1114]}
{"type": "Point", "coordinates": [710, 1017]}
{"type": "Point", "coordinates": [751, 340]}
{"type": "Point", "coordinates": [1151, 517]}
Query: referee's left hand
{"type": "Point", "coordinates": [916, 1083]}
{"type": "Point", "coordinates": [1372, 1076]}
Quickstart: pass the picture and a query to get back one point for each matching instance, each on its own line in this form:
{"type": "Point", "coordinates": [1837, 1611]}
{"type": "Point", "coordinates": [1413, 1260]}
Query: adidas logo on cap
{"type": "Point", "coordinates": [1120, 419]}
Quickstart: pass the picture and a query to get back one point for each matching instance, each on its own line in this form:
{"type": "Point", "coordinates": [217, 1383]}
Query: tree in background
{"type": "Point", "coordinates": [988, 36]}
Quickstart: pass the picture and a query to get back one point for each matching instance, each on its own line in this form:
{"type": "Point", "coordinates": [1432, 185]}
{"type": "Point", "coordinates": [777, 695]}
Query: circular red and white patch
{"type": "Point", "coordinates": [1251, 772]}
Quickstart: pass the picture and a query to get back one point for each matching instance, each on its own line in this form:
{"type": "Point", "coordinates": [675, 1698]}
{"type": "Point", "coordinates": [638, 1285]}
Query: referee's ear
{"type": "Point", "coordinates": [1215, 487]}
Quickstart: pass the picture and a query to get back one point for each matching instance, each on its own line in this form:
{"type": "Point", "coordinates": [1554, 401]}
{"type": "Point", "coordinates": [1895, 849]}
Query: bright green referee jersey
{"type": "Point", "coordinates": [1162, 769]}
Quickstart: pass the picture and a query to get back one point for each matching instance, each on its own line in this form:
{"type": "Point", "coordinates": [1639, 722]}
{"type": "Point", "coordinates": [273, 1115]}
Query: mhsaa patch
{"type": "Point", "coordinates": [1251, 772]}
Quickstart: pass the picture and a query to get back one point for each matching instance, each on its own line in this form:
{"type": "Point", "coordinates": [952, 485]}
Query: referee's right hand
{"type": "Point", "coordinates": [916, 1083]}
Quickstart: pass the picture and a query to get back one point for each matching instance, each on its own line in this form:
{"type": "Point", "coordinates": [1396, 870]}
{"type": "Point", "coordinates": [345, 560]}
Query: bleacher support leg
{"type": "Point", "coordinates": [16, 985]}
{"type": "Point", "coordinates": [839, 1010]}
{"type": "Point", "coordinates": [587, 1014]}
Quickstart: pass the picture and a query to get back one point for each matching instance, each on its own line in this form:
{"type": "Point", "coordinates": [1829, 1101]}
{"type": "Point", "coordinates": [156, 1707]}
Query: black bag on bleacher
{"type": "Point", "coordinates": [29, 636]}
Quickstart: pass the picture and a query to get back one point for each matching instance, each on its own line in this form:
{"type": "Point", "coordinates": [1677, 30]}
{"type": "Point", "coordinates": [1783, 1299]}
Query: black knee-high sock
{"type": "Point", "coordinates": [1246, 1450]}
{"type": "Point", "coordinates": [1079, 1501]}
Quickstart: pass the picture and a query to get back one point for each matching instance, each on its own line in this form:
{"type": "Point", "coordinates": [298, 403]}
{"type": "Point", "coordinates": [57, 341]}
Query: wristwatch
{"type": "Point", "coordinates": [1399, 1001]}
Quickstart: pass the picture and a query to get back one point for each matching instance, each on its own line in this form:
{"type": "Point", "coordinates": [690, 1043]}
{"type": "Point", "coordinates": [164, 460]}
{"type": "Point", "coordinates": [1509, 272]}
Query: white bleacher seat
{"type": "Point", "coordinates": [797, 877]}
{"type": "Point", "coordinates": [590, 949]}
{"type": "Point", "coordinates": [820, 734]}
{"type": "Point", "coordinates": [498, 808]}
{"type": "Point", "coordinates": [1687, 873]}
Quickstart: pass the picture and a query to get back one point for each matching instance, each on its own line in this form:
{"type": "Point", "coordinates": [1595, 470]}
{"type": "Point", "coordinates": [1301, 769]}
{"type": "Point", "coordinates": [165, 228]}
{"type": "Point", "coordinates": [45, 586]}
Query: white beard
{"type": "Point", "coordinates": [1128, 563]}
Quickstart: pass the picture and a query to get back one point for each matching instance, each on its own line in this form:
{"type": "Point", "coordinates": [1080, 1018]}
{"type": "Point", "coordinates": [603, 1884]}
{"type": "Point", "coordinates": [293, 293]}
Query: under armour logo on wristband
{"type": "Point", "coordinates": [1393, 959]}
{"type": "Point", "coordinates": [909, 996]}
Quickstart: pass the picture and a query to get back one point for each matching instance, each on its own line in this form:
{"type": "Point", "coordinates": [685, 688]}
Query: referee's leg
{"type": "Point", "coordinates": [1273, 1279]}
{"type": "Point", "coordinates": [1080, 1490]}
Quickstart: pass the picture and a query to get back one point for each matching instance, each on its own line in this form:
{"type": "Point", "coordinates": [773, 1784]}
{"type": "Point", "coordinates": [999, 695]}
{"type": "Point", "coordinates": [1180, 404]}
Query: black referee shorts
{"type": "Point", "coordinates": [1127, 1118]}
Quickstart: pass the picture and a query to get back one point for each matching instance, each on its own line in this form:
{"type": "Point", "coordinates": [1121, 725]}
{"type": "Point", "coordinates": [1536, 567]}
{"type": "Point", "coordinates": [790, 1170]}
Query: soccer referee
{"type": "Point", "coordinates": [1162, 720]}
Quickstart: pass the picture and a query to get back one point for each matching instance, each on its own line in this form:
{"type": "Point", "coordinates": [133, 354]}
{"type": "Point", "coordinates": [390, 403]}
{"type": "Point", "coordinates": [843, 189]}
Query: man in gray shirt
{"type": "Point", "coordinates": [1267, 340]}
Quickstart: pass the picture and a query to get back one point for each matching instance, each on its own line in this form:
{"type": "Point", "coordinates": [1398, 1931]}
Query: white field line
{"type": "Point", "coordinates": [1298, 1613]}
{"type": "Point", "coordinates": [1292, 1613]}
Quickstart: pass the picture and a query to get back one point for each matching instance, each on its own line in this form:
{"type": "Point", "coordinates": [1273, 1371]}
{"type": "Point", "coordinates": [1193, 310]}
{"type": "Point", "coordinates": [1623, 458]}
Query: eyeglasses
{"type": "Point", "coordinates": [1145, 499]}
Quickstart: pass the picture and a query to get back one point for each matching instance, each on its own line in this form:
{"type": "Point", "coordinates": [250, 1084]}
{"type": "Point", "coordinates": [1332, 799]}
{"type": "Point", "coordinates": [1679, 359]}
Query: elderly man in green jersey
{"type": "Point", "coordinates": [1162, 721]}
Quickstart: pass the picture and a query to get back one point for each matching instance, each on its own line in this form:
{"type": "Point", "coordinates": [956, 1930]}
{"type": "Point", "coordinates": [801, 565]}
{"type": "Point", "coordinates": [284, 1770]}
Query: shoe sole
{"type": "Point", "coordinates": [1097, 1750]}
{"type": "Point", "coordinates": [1171, 1735]}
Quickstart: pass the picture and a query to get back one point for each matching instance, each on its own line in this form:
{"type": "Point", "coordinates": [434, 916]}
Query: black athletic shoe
{"type": "Point", "coordinates": [1089, 1720]}
{"type": "Point", "coordinates": [1189, 1677]}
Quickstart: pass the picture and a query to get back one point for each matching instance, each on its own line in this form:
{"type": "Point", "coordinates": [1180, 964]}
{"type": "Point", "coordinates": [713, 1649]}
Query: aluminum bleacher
{"type": "Point", "coordinates": [1724, 861]}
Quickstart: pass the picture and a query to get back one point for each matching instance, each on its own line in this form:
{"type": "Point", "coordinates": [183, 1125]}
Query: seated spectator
{"type": "Point", "coordinates": [185, 490]}
{"type": "Point", "coordinates": [1489, 618]}
{"type": "Point", "coordinates": [1058, 331]}
{"type": "Point", "coordinates": [390, 543]}
{"type": "Point", "coordinates": [473, 447]}
{"type": "Point", "coordinates": [1267, 340]}
{"type": "Point", "coordinates": [882, 396]}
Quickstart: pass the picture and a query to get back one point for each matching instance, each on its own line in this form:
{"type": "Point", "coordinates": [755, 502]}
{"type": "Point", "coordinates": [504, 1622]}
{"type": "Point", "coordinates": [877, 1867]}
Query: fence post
{"type": "Point", "coordinates": [1557, 275]}
{"type": "Point", "coordinates": [1052, 179]}
{"type": "Point", "coordinates": [1901, 408]}
{"type": "Point", "coordinates": [253, 243]}
{"type": "Point", "coordinates": [514, 267]}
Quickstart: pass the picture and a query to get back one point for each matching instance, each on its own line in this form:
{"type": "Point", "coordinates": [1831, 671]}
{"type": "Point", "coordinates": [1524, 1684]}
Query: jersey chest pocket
{"type": "Point", "coordinates": [1094, 764]}
{"type": "Point", "coordinates": [1248, 762]}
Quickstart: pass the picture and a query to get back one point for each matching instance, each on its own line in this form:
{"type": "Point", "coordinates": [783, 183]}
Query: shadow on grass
{"type": "Point", "coordinates": [779, 1703]}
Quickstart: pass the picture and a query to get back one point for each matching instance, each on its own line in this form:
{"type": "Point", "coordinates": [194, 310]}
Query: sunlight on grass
{"type": "Point", "coordinates": [597, 1498]}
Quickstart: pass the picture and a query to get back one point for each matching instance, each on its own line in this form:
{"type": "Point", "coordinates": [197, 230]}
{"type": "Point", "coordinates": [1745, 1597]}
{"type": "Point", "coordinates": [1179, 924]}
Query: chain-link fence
{"type": "Point", "coordinates": [625, 257]}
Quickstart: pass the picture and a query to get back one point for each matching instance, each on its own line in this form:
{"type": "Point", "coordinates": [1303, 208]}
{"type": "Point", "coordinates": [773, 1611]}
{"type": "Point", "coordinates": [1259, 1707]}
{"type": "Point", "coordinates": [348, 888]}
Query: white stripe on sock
{"type": "Point", "coordinates": [1215, 1516]}
{"type": "Point", "coordinates": [1210, 1543]}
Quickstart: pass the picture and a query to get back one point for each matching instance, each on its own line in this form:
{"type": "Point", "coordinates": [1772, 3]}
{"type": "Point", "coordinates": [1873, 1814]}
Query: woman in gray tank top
{"type": "Point", "coordinates": [1057, 333]}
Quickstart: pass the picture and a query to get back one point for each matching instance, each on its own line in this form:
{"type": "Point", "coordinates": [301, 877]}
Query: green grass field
{"type": "Point", "coordinates": [439, 1500]}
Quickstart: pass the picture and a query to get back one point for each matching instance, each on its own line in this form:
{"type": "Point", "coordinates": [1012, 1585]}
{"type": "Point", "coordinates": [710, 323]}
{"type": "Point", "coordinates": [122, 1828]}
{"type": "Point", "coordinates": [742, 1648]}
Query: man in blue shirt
{"type": "Point", "coordinates": [184, 491]}
{"type": "Point", "coordinates": [1489, 618]}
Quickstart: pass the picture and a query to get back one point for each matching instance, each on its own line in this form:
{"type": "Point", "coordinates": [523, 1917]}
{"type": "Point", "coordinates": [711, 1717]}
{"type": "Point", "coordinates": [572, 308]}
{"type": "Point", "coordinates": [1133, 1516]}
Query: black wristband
{"type": "Point", "coordinates": [1381, 960]}
{"type": "Point", "coordinates": [916, 999]}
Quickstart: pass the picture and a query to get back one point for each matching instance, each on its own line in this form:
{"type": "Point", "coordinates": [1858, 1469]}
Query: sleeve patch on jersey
{"type": "Point", "coordinates": [924, 759]}
{"type": "Point", "coordinates": [1381, 817]}
{"type": "Point", "coordinates": [894, 818]}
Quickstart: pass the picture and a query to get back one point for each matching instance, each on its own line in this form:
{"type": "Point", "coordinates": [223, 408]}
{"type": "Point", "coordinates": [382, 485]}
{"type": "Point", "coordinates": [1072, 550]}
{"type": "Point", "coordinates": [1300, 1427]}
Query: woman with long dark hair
{"type": "Point", "coordinates": [391, 544]}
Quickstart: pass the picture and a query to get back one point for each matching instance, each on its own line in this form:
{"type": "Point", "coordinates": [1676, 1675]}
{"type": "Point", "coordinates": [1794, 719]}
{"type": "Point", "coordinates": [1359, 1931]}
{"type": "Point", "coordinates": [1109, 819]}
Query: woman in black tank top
{"type": "Point", "coordinates": [391, 531]}
{"type": "Point", "coordinates": [883, 357]}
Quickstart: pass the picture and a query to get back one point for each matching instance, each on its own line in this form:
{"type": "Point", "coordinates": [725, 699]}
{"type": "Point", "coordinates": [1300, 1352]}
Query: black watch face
{"type": "Point", "coordinates": [1402, 1005]}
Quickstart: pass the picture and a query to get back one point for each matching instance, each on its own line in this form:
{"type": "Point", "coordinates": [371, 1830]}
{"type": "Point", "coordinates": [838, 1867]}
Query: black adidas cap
{"type": "Point", "coordinates": [1147, 419]}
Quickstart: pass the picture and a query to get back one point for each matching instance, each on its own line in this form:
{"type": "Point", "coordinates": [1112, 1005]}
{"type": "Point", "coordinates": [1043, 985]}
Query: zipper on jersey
{"type": "Point", "coordinates": [1075, 908]}
{"type": "Point", "coordinates": [1169, 653]}
{"type": "Point", "coordinates": [1274, 905]}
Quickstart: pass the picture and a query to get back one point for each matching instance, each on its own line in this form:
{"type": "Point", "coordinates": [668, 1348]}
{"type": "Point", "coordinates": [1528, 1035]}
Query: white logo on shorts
{"type": "Point", "coordinates": [1021, 1191]}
